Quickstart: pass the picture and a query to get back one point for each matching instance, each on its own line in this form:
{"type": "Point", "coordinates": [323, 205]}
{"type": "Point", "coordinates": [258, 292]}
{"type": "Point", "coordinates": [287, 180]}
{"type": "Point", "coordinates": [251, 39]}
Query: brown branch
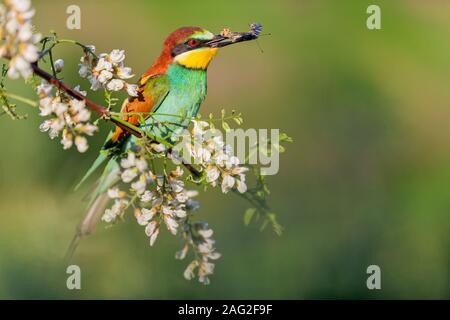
{"type": "Point", "coordinates": [73, 93]}
{"type": "Point", "coordinates": [102, 111]}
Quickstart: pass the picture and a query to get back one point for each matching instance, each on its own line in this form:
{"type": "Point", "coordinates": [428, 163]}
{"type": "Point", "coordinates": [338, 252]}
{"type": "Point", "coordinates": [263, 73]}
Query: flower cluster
{"type": "Point", "coordinates": [162, 201]}
{"type": "Point", "coordinates": [166, 203]}
{"type": "Point", "coordinates": [18, 43]}
{"type": "Point", "coordinates": [208, 150]}
{"type": "Point", "coordinates": [119, 206]}
{"type": "Point", "coordinates": [67, 116]}
{"type": "Point", "coordinates": [107, 71]}
{"type": "Point", "coordinates": [199, 236]}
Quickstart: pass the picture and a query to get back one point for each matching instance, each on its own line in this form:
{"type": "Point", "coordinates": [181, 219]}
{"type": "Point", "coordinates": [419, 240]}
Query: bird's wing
{"type": "Point", "coordinates": [152, 92]}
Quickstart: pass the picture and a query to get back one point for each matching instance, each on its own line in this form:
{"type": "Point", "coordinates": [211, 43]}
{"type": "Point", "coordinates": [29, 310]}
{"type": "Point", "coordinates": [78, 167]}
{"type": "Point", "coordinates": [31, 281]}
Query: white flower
{"type": "Point", "coordinates": [95, 84]}
{"type": "Point", "coordinates": [128, 162]}
{"type": "Point", "coordinates": [44, 90]}
{"type": "Point", "coordinates": [167, 210]}
{"type": "Point", "coordinates": [212, 174]}
{"type": "Point", "coordinates": [20, 5]}
{"type": "Point", "coordinates": [81, 143]}
{"type": "Point", "coordinates": [232, 162]}
{"type": "Point", "coordinates": [124, 73]}
{"type": "Point", "coordinates": [87, 129]}
{"type": "Point", "coordinates": [108, 72]}
{"type": "Point", "coordinates": [59, 107]}
{"type": "Point", "coordinates": [132, 90]}
{"type": "Point", "coordinates": [178, 172]}
{"type": "Point", "coordinates": [208, 233]}
{"type": "Point", "coordinates": [189, 272]}
{"type": "Point", "coordinates": [105, 76]}
{"type": "Point", "coordinates": [67, 114]}
{"type": "Point", "coordinates": [114, 193]}
{"type": "Point", "coordinates": [103, 65]}
{"type": "Point", "coordinates": [153, 237]}
{"type": "Point", "coordinates": [45, 106]}
{"type": "Point", "coordinates": [171, 224]}
{"type": "Point", "coordinates": [83, 71]}
{"type": "Point", "coordinates": [56, 126]}
{"type": "Point", "coordinates": [214, 255]}
{"type": "Point", "coordinates": [78, 89]}
{"type": "Point", "coordinates": [141, 164]}
{"type": "Point", "coordinates": [151, 228]}
{"type": "Point", "coordinates": [192, 193]}
{"type": "Point", "coordinates": [208, 268]}
{"type": "Point", "coordinates": [159, 147]}
{"type": "Point", "coordinates": [18, 41]}
{"type": "Point", "coordinates": [129, 175]}
{"type": "Point", "coordinates": [199, 127]}
{"type": "Point", "coordinates": [146, 216]}
{"type": "Point", "coordinates": [115, 85]}
{"type": "Point", "coordinates": [147, 196]}
{"type": "Point", "coordinates": [29, 52]}
{"type": "Point", "coordinates": [241, 186]}
{"type": "Point", "coordinates": [139, 186]}
{"type": "Point", "coordinates": [180, 213]}
{"type": "Point", "coordinates": [117, 56]}
{"type": "Point", "coordinates": [91, 47]}
{"type": "Point", "coordinates": [59, 65]}
{"type": "Point", "coordinates": [19, 67]}
{"type": "Point", "coordinates": [45, 126]}
{"type": "Point", "coordinates": [109, 216]}
{"type": "Point", "coordinates": [180, 255]}
{"type": "Point", "coordinates": [67, 141]}
{"type": "Point", "coordinates": [177, 186]}
{"type": "Point", "coordinates": [204, 248]}
{"type": "Point", "coordinates": [182, 197]}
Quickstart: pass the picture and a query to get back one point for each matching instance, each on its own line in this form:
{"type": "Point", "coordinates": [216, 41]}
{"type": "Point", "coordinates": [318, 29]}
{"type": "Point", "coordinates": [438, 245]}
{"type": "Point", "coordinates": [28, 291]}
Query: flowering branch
{"type": "Point", "coordinates": [102, 111]}
{"type": "Point", "coordinates": [143, 180]}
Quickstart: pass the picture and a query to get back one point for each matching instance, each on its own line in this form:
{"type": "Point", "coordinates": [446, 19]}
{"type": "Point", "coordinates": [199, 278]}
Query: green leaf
{"type": "Point", "coordinates": [225, 126]}
{"type": "Point", "coordinates": [248, 215]}
{"type": "Point", "coordinates": [285, 138]}
{"type": "Point", "coordinates": [238, 120]}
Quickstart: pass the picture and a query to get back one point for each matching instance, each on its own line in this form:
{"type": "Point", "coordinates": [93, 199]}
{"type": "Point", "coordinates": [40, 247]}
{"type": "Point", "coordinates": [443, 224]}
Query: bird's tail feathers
{"type": "Point", "coordinates": [98, 201]}
{"type": "Point", "coordinates": [88, 224]}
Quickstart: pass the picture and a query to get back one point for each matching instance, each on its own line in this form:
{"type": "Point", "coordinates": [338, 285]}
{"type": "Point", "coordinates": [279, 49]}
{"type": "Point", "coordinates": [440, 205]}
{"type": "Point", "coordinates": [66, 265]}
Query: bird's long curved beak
{"type": "Point", "coordinates": [225, 39]}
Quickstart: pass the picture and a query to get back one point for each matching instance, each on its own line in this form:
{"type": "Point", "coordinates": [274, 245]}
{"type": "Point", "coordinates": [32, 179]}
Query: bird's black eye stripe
{"type": "Point", "coordinates": [187, 46]}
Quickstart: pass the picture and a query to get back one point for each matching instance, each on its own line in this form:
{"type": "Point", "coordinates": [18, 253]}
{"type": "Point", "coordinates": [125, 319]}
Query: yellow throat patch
{"type": "Point", "coordinates": [197, 59]}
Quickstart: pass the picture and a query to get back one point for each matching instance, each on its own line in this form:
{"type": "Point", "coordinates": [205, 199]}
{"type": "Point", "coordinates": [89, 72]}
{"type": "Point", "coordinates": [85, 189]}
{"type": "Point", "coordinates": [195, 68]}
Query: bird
{"type": "Point", "coordinates": [176, 83]}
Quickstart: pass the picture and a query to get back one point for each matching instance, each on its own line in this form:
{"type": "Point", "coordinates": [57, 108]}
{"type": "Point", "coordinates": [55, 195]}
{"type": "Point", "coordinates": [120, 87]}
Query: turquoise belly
{"type": "Point", "coordinates": [187, 92]}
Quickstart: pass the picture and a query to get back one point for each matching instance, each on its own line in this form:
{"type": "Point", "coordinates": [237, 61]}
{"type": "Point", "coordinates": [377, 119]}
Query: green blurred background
{"type": "Point", "coordinates": [367, 180]}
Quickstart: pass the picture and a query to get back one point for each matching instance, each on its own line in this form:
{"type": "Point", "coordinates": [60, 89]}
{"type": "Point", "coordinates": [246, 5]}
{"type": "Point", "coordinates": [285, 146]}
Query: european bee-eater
{"type": "Point", "coordinates": [175, 84]}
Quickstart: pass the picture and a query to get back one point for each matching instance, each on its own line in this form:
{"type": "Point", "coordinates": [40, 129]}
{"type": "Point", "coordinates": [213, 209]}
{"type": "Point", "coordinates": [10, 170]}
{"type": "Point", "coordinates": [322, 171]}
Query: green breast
{"type": "Point", "coordinates": [187, 92]}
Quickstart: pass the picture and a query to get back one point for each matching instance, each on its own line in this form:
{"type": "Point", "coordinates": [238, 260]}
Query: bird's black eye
{"type": "Point", "coordinates": [193, 43]}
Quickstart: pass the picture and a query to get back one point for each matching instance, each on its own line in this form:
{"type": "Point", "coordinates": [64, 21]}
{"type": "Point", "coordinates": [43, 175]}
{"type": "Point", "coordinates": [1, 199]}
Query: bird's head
{"type": "Point", "coordinates": [190, 47]}
{"type": "Point", "coordinates": [194, 47]}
